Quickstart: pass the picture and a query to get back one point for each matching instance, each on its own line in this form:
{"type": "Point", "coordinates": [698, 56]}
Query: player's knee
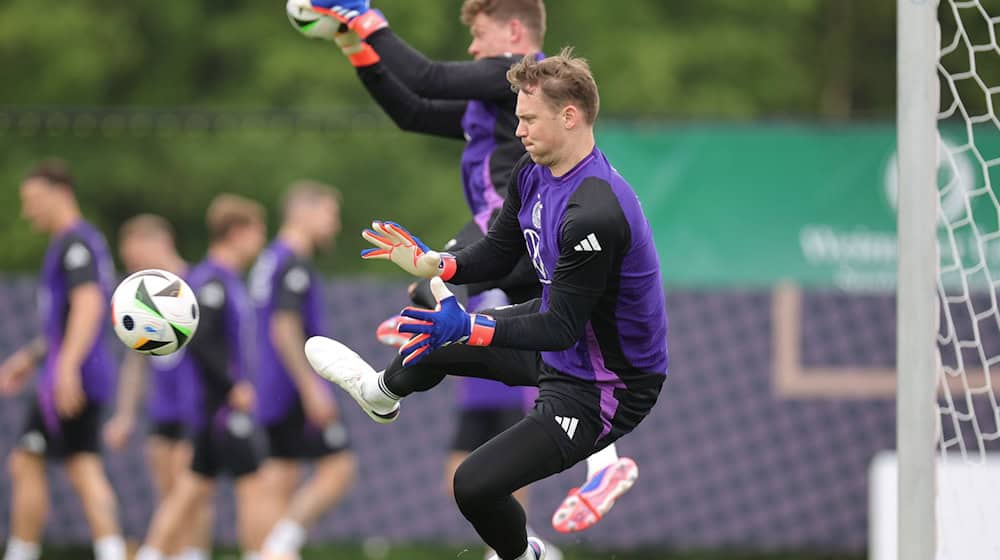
{"type": "Point", "coordinates": [21, 464]}
{"type": "Point", "coordinates": [471, 489]}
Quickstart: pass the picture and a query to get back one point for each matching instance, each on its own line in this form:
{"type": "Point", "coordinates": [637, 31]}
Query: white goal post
{"type": "Point", "coordinates": [948, 316]}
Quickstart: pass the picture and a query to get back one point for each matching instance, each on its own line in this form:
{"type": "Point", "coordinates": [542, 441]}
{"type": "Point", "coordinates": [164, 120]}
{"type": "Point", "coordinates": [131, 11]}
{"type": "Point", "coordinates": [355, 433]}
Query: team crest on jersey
{"type": "Point", "coordinates": [536, 215]}
{"type": "Point", "coordinates": [534, 244]}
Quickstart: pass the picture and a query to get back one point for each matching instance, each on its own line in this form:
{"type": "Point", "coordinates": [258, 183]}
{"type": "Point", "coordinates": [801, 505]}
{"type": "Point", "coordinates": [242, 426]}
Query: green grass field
{"type": "Point", "coordinates": [438, 552]}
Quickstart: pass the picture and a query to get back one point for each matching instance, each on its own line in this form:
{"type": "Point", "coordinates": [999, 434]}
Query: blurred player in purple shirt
{"type": "Point", "coordinates": [146, 241]}
{"type": "Point", "coordinates": [77, 371]}
{"type": "Point", "coordinates": [297, 407]}
{"type": "Point", "coordinates": [218, 399]}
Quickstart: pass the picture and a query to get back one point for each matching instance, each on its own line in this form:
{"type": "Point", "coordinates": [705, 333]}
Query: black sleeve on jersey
{"type": "Point", "coordinates": [208, 346]}
{"type": "Point", "coordinates": [291, 289]}
{"type": "Point", "coordinates": [79, 264]}
{"type": "Point", "coordinates": [479, 79]}
{"type": "Point", "coordinates": [410, 111]}
{"type": "Point", "coordinates": [496, 255]}
{"type": "Point", "coordinates": [584, 272]}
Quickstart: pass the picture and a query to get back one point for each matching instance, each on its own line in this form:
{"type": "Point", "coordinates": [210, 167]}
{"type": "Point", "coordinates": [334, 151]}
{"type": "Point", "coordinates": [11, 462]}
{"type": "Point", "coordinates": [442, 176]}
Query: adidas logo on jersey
{"type": "Point", "coordinates": [589, 244]}
{"type": "Point", "coordinates": [568, 424]}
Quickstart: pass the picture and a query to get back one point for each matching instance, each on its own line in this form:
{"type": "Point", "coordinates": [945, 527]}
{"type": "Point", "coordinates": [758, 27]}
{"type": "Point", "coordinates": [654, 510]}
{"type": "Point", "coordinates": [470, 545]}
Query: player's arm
{"type": "Point", "coordinates": [594, 236]}
{"type": "Point", "coordinates": [410, 111]}
{"type": "Point", "coordinates": [288, 335]}
{"type": "Point", "coordinates": [489, 258]}
{"type": "Point", "coordinates": [207, 347]}
{"type": "Point", "coordinates": [83, 323]}
{"type": "Point", "coordinates": [478, 79]}
{"type": "Point", "coordinates": [131, 385]}
{"type": "Point", "coordinates": [17, 369]}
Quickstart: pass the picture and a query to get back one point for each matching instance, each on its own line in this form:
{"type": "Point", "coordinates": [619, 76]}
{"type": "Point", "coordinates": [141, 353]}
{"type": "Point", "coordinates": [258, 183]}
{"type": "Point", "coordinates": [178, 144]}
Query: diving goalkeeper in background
{"type": "Point", "coordinates": [472, 101]}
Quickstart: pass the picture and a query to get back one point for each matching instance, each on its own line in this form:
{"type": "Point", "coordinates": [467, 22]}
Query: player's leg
{"type": "Point", "coordinates": [86, 474]}
{"type": "Point", "coordinates": [192, 489]}
{"type": "Point", "coordinates": [294, 439]}
{"type": "Point", "coordinates": [486, 480]}
{"type": "Point", "coordinates": [79, 442]}
{"type": "Point", "coordinates": [29, 487]}
{"type": "Point", "coordinates": [195, 542]}
{"type": "Point", "coordinates": [29, 504]}
{"type": "Point", "coordinates": [240, 457]}
{"type": "Point", "coordinates": [378, 394]}
{"type": "Point", "coordinates": [189, 493]}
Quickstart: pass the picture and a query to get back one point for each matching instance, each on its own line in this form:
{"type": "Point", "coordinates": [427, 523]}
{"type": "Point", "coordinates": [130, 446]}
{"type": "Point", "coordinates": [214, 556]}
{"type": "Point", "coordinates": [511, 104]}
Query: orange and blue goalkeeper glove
{"type": "Point", "coordinates": [357, 14]}
{"type": "Point", "coordinates": [448, 323]}
{"type": "Point", "coordinates": [393, 243]}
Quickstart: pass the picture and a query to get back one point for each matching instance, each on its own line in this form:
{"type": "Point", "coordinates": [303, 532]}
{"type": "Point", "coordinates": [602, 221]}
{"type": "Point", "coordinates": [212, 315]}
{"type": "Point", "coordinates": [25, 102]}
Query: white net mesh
{"type": "Point", "coordinates": [969, 276]}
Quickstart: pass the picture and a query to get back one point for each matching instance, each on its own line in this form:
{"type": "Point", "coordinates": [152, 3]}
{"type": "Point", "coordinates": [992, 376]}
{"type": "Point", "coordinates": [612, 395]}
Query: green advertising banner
{"type": "Point", "coordinates": [752, 205]}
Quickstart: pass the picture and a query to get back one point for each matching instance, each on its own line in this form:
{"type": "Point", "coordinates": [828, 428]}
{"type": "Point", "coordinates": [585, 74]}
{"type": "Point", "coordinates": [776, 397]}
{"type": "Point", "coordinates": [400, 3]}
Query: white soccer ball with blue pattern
{"type": "Point", "coordinates": [154, 312]}
{"type": "Point", "coordinates": [309, 23]}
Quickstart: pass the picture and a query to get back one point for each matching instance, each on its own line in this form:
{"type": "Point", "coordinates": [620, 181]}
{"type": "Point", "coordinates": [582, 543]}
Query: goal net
{"type": "Point", "coordinates": [968, 477]}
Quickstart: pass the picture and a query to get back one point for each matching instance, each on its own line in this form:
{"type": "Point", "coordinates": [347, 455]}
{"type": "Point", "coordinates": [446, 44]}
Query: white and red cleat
{"type": "Point", "coordinates": [585, 506]}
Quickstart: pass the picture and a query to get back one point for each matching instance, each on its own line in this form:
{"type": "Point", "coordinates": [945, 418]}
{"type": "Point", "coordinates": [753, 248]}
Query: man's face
{"type": "Point", "coordinates": [490, 37]}
{"type": "Point", "coordinates": [144, 251]}
{"type": "Point", "coordinates": [325, 221]}
{"type": "Point", "coordinates": [38, 197]}
{"type": "Point", "coordinates": [539, 127]}
{"type": "Point", "coordinates": [249, 239]}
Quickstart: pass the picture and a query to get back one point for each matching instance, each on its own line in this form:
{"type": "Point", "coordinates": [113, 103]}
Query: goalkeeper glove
{"type": "Point", "coordinates": [447, 324]}
{"type": "Point", "coordinates": [357, 14]}
{"type": "Point", "coordinates": [357, 51]}
{"type": "Point", "coordinates": [393, 243]}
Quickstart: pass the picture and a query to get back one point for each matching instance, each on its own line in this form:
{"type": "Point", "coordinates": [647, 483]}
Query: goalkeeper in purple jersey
{"type": "Point", "coordinates": [76, 371]}
{"type": "Point", "coordinates": [594, 343]}
{"type": "Point", "coordinates": [470, 101]}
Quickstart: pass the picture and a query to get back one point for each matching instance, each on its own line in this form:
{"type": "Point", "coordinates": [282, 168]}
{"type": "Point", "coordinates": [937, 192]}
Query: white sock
{"type": "Point", "coordinates": [601, 459]}
{"type": "Point", "coordinates": [193, 553]}
{"type": "Point", "coordinates": [148, 553]}
{"type": "Point", "coordinates": [250, 555]}
{"type": "Point", "coordinates": [375, 392]}
{"type": "Point", "coordinates": [111, 547]}
{"type": "Point", "coordinates": [22, 550]}
{"type": "Point", "coordinates": [287, 537]}
{"type": "Point", "coordinates": [528, 554]}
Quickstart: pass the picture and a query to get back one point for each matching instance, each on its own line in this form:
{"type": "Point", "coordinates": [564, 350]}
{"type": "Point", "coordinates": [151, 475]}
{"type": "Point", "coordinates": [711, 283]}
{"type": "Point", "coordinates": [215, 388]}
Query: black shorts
{"type": "Point", "coordinates": [292, 437]}
{"type": "Point", "coordinates": [171, 430]}
{"type": "Point", "coordinates": [477, 426]}
{"type": "Point", "coordinates": [80, 434]}
{"type": "Point", "coordinates": [569, 409]}
{"type": "Point", "coordinates": [227, 445]}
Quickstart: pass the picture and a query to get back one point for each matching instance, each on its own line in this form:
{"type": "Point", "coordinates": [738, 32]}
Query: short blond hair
{"type": "Point", "coordinates": [228, 211]}
{"type": "Point", "coordinates": [531, 13]}
{"type": "Point", "coordinates": [308, 191]}
{"type": "Point", "coordinates": [146, 226]}
{"type": "Point", "coordinates": [562, 79]}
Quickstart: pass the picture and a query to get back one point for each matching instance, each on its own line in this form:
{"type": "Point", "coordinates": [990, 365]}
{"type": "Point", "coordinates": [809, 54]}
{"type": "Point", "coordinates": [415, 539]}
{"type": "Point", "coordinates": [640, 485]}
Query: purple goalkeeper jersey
{"type": "Point", "coordinates": [569, 221]}
{"type": "Point", "coordinates": [491, 150]}
{"type": "Point", "coordinates": [75, 257]}
{"type": "Point", "coordinates": [221, 352]}
{"type": "Point", "coordinates": [280, 280]}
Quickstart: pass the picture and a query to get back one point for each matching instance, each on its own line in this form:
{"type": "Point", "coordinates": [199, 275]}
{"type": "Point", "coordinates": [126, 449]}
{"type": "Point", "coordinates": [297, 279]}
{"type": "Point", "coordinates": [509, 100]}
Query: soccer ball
{"type": "Point", "coordinates": [308, 22]}
{"type": "Point", "coordinates": [154, 312]}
